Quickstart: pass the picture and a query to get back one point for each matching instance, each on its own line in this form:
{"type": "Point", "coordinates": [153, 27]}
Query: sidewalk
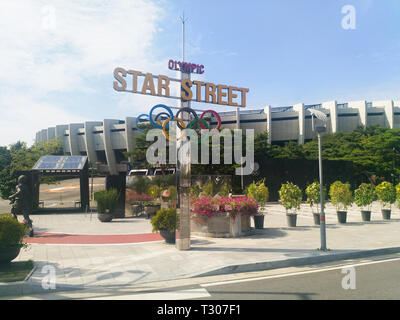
{"type": "Point", "coordinates": [80, 266]}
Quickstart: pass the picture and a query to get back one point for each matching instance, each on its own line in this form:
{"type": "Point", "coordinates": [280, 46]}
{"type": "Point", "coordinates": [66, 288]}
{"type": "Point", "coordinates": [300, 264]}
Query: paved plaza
{"type": "Point", "coordinates": [141, 256]}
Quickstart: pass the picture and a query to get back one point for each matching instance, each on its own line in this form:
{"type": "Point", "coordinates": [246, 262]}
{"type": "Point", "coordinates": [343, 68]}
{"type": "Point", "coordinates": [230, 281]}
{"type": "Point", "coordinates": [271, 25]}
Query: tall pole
{"type": "Point", "coordinates": [183, 37]}
{"type": "Point", "coordinates": [322, 214]}
{"type": "Point", "coordinates": [184, 172]}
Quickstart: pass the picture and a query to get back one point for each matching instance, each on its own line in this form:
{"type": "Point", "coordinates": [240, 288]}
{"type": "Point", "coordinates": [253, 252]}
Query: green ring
{"type": "Point", "coordinates": [205, 123]}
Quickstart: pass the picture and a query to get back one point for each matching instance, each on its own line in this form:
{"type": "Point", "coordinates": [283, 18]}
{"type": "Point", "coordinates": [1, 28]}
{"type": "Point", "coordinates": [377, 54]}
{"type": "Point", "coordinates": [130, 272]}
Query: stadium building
{"type": "Point", "coordinates": [104, 142]}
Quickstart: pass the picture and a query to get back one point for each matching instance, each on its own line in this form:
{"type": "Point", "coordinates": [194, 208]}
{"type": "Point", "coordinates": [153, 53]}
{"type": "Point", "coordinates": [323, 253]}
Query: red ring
{"type": "Point", "coordinates": [216, 115]}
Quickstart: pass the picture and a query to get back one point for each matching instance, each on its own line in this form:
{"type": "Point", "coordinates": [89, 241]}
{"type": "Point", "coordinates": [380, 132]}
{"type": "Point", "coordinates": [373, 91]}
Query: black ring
{"type": "Point", "coordinates": [188, 110]}
{"type": "Point", "coordinates": [162, 114]}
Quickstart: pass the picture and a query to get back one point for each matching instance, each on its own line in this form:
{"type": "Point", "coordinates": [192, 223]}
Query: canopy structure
{"type": "Point", "coordinates": [67, 166]}
{"type": "Point", "coordinates": [61, 164]}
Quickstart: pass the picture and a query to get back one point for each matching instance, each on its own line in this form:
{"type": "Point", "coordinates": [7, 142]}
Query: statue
{"type": "Point", "coordinates": [20, 203]}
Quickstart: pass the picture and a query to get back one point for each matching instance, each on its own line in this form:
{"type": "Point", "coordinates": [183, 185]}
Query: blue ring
{"type": "Point", "coordinates": [151, 114]}
{"type": "Point", "coordinates": [137, 121]}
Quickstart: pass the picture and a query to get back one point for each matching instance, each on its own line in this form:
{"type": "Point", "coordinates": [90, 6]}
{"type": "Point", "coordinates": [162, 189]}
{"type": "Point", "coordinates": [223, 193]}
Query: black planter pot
{"type": "Point", "coordinates": [342, 216]}
{"type": "Point", "coordinates": [8, 254]}
{"type": "Point", "coordinates": [259, 222]}
{"type": "Point", "coordinates": [386, 214]}
{"type": "Point", "coordinates": [366, 215]}
{"type": "Point", "coordinates": [317, 220]}
{"type": "Point", "coordinates": [105, 217]}
{"type": "Point", "coordinates": [291, 220]}
{"type": "Point", "coordinates": [168, 236]}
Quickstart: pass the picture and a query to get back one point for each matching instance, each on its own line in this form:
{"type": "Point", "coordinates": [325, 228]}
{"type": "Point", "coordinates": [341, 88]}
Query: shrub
{"type": "Point", "coordinates": [208, 207]}
{"type": "Point", "coordinates": [398, 195]}
{"type": "Point", "coordinates": [12, 232]}
{"type": "Point", "coordinates": [386, 193]}
{"type": "Point", "coordinates": [259, 192]}
{"type": "Point", "coordinates": [106, 200]}
{"type": "Point", "coordinates": [208, 189]}
{"type": "Point", "coordinates": [243, 206]}
{"type": "Point", "coordinates": [132, 197]}
{"type": "Point", "coordinates": [140, 184]}
{"type": "Point", "coordinates": [224, 190]}
{"type": "Point", "coordinates": [165, 219]}
{"type": "Point", "coordinates": [154, 192]}
{"type": "Point", "coordinates": [313, 192]}
{"type": "Point", "coordinates": [290, 196]}
{"type": "Point", "coordinates": [341, 195]}
{"type": "Point", "coordinates": [365, 195]}
{"type": "Point", "coordinates": [173, 193]}
{"type": "Point", "coordinates": [195, 190]}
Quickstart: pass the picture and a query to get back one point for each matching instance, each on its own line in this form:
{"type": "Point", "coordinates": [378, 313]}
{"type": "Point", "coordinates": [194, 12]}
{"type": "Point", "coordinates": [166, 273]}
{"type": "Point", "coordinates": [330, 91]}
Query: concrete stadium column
{"type": "Point", "coordinates": [73, 138]}
{"type": "Point", "coordinates": [237, 118]}
{"type": "Point", "coordinates": [267, 111]}
{"type": "Point", "coordinates": [130, 123]}
{"type": "Point", "coordinates": [89, 140]}
{"type": "Point", "coordinates": [302, 121]}
{"type": "Point", "coordinates": [362, 110]}
{"type": "Point", "coordinates": [60, 130]}
{"type": "Point", "coordinates": [51, 133]}
{"type": "Point", "coordinates": [43, 135]}
{"type": "Point", "coordinates": [332, 107]}
{"type": "Point", "coordinates": [388, 106]}
{"type": "Point", "coordinates": [110, 155]}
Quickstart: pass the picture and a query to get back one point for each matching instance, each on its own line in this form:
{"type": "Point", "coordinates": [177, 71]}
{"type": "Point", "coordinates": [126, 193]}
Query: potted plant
{"type": "Point", "coordinates": [106, 203]}
{"type": "Point", "coordinates": [291, 196]}
{"type": "Point", "coordinates": [165, 222]}
{"type": "Point", "coordinates": [387, 196]}
{"type": "Point", "coordinates": [313, 192]}
{"type": "Point", "coordinates": [12, 234]}
{"type": "Point", "coordinates": [363, 197]}
{"type": "Point", "coordinates": [259, 192]}
{"type": "Point", "coordinates": [398, 195]}
{"type": "Point", "coordinates": [341, 198]}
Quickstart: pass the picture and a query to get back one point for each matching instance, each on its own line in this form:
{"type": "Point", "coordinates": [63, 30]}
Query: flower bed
{"type": "Point", "coordinates": [219, 217]}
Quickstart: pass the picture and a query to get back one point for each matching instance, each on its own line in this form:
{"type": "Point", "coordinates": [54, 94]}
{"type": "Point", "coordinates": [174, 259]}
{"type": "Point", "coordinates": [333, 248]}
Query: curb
{"type": "Point", "coordinates": [329, 256]}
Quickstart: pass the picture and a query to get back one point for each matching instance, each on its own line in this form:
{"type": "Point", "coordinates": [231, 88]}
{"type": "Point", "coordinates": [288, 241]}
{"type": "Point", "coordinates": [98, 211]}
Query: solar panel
{"type": "Point", "coordinates": [71, 165]}
{"type": "Point", "coordinates": [60, 163]}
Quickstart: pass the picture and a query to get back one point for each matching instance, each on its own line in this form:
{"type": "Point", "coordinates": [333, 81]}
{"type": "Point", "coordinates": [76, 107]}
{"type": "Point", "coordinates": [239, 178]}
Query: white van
{"type": "Point", "coordinates": [159, 172]}
{"type": "Point", "coordinates": [138, 172]}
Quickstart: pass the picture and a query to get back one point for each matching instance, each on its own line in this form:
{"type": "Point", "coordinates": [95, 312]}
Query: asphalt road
{"type": "Point", "coordinates": [377, 280]}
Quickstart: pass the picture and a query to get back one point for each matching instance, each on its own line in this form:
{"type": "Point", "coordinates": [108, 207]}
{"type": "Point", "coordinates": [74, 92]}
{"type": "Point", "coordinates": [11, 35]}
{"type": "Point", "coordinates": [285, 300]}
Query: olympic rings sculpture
{"type": "Point", "coordinates": [194, 120]}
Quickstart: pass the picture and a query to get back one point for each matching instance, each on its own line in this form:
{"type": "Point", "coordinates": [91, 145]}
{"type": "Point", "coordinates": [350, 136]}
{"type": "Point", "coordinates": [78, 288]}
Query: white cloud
{"type": "Point", "coordinates": [21, 117]}
{"type": "Point", "coordinates": [56, 46]}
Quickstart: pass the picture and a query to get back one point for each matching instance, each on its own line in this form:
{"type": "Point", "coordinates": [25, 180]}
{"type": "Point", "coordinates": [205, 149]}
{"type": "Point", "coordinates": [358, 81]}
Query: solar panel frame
{"type": "Point", "coordinates": [60, 163]}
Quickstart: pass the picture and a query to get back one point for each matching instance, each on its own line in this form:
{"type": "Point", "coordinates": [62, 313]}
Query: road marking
{"type": "Point", "coordinates": [165, 295]}
{"type": "Point", "coordinates": [295, 273]}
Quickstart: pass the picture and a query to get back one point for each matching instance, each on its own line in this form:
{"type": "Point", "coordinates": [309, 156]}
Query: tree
{"type": "Point", "coordinates": [18, 157]}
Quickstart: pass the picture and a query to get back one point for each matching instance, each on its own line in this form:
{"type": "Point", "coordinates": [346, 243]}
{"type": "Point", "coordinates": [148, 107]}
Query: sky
{"type": "Point", "coordinates": [57, 57]}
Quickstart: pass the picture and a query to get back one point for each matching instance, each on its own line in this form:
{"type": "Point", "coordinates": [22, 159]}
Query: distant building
{"type": "Point", "coordinates": [105, 141]}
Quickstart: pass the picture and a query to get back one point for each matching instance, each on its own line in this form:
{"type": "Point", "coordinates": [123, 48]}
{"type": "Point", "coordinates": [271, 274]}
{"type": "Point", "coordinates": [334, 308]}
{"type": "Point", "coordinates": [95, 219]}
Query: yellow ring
{"type": "Point", "coordinates": [165, 132]}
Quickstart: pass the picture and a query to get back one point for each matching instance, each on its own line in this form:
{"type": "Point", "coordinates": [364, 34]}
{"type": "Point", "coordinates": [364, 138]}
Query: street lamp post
{"type": "Point", "coordinates": [322, 214]}
{"type": "Point", "coordinates": [319, 130]}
